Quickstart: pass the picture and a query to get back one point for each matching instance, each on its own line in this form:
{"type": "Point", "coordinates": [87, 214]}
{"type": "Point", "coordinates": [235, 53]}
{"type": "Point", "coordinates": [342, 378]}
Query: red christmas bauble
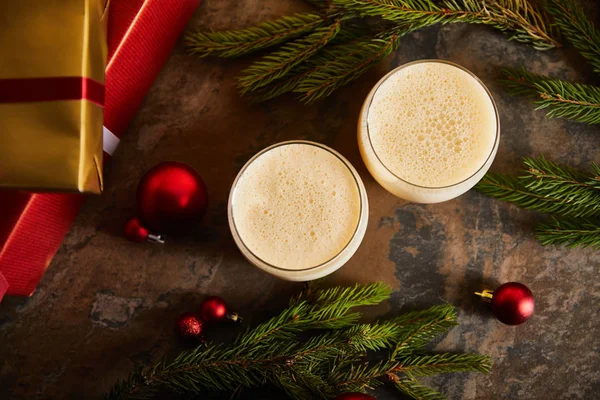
{"type": "Point", "coordinates": [215, 309]}
{"type": "Point", "coordinates": [171, 198]}
{"type": "Point", "coordinates": [355, 396]}
{"type": "Point", "coordinates": [513, 303]}
{"type": "Point", "coordinates": [189, 325]}
{"type": "Point", "coordinates": [134, 231]}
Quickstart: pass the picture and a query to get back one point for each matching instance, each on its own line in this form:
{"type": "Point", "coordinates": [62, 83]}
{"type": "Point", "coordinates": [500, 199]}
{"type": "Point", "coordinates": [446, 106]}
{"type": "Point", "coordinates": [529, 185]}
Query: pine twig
{"type": "Point", "coordinates": [571, 185]}
{"type": "Point", "coordinates": [412, 388]}
{"type": "Point", "coordinates": [280, 62]}
{"type": "Point", "coordinates": [341, 65]}
{"type": "Point", "coordinates": [239, 42]}
{"type": "Point", "coordinates": [387, 334]}
{"type": "Point", "coordinates": [445, 362]}
{"type": "Point", "coordinates": [564, 99]}
{"type": "Point", "coordinates": [572, 233]}
{"type": "Point", "coordinates": [550, 188]}
{"type": "Point", "coordinates": [577, 28]}
{"type": "Point", "coordinates": [319, 366]}
{"type": "Point", "coordinates": [520, 19]}
{"type": "Point", "coordinates": [421, 333]}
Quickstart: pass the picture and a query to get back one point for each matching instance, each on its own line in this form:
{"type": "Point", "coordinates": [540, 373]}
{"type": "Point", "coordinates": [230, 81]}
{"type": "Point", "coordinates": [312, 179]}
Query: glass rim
{"type": "Point", "coordinates": [361, 191]}
{"type": "Point", "coordinates": [371, 96]}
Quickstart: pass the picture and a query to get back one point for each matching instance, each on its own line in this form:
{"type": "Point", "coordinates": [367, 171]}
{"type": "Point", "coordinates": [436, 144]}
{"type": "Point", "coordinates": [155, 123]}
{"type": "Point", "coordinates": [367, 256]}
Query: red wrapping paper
{"type": "Point", "coordinates": [141, 35]}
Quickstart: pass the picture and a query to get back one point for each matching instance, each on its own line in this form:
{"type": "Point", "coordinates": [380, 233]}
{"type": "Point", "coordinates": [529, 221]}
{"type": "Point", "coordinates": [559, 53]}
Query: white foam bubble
{"type": "Point", "coordinates": [304, 211]}
{"type": "Point", "coordinates": [432, 124]}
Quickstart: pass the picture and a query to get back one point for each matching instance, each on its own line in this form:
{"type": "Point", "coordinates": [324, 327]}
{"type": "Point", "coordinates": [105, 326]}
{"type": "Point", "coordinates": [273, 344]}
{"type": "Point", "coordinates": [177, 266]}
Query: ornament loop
{"type": "Point", "coordinates": [486, 295]}
{"type": "Point", "coordinates": [158, 238]}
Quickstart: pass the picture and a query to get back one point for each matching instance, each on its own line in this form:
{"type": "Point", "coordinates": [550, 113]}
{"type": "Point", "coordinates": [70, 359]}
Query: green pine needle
{"type": "Point", "coordinates": [520, 19]}
{"type": "Point", "coordinates": [577, 28]}
{"type": "Point", "coordinates": [412, 388]}
{"type": "Point", "coordinates": [239, 42]}
{"type": "Point", "coordinates": [571, 233]}
{"type": "Point", "coordinates": [445, 362]}
{"type": "Point", "coordinates": [342, 64]}
{"type": "Point", "coordinates": [564, 99]}
{"type": "Point", "coordinates": [313, 63]}
{"type": "Point", "coordinates": [562, 191]}
{"type": "Point", "coordinates": [280, 62]}
{"type": "Point", "coordinates": [314, 366]}
{"type": "Point", "coordinates": [546, 188]}
{"type": "Point", "coordinates": [421, 333]}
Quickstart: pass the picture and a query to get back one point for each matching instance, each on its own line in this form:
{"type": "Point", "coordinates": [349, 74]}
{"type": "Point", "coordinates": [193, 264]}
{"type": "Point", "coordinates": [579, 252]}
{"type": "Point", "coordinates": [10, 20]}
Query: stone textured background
{"type": "Point", "coordinates": [106, 304]}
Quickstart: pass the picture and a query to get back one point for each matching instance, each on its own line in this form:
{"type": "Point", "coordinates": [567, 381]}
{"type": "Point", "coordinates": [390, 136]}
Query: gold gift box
{"type": "Point", "coordinates": [52, 62]}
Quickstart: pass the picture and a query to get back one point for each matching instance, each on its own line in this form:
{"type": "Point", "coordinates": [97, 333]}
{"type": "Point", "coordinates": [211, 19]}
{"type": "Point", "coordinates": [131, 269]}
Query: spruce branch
{"type": "Point", "coordinates": [577, 28]}
{"type": "Point", "coordinates": [421, 333]}
{"type": "Point", "coordinates": [445, 362]}
{"type": "Point", "coordinates": [546, 188]}
{"type": "Point", "coordinates": [554, 189]}
{"type": "Point", "coordinates": [412, 388]}
{"type": "Point", "coordinates": [520, 19]}
{"type": "Point", "coordinates": [239, 42]}
{"type": "Point", "coordinates": [571, 233]}
{"type": "Point", "coordinates": [571, 185]}
{"type": "Point", "coordinates": [280, 62]}
{"type": "Point", "coordinates": [387, 334]}
{"type": "Point", "coordinates": [317, 366]}
{"type": "Point", "coordinates": [564, 99]}
{"type": "Point", "coordinates": [312, 62]}
{"type": "Point", "coordinates": [341, 65]}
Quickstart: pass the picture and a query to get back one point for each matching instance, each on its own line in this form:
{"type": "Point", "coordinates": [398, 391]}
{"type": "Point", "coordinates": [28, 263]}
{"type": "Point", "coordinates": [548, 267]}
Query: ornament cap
{"type": "Point", "coordinates": [486, 295]}
{"type": "Point", "coordinates": [156, 238]}
{"type": "Point", "coordinates": [235, 317]}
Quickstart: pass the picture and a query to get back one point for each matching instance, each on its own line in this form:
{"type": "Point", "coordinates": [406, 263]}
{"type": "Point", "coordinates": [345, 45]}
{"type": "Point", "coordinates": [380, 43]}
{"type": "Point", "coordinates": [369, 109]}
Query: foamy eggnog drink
{"type": "Point", "coordinates": [298, 210]}
{"type": "Point", "coordinates": [428, 131]}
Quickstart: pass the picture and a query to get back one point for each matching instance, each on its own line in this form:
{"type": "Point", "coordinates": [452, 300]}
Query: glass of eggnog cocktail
{"type": "Point", "coordinates": [298, 210]}
{"type": "Point", "coordinates": [428, 131]}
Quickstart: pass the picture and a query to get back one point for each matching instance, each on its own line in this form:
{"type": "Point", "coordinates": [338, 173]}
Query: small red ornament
{"type": "Point", "coordinates": [135, 232]}
{"type": "Point", "coordinates": [189, 325]}
{"type": "Point", "coordinates": [171, 198]}
{"type": "Point", "coordinates": [215, 309]}
{"type": "Point", "coordinates": [512, 303]}
{"type": "Point", "coordinates": [355, 396]}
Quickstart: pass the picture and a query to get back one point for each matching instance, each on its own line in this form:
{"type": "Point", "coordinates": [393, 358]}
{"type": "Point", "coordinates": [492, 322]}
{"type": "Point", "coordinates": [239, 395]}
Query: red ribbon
{"type": "Point", "coordinates": [26, 90]}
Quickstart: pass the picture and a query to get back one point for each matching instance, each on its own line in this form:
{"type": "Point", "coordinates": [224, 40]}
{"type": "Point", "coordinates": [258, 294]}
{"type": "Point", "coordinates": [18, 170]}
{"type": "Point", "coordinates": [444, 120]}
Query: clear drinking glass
{"type": "Point", "coordinates": [315, 271]}
{"type": "Point", "coordinates": [401, 187]}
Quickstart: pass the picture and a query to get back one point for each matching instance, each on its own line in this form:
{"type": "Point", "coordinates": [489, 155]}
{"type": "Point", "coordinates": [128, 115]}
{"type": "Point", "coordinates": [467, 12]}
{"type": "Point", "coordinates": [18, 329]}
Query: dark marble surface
{"type": "Point", "coordinates": [106, 304]}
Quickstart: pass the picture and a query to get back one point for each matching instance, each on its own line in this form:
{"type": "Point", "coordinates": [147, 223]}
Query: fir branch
{"type": "Point", "coordinates": [341, 65]}
{"type": "Point", "coordinates": [514, 191]}
{"type": "Point", "coordinates": [520, 19]}
{"type": "Point", "coordinates": [351, 36]}
{"type": "Point", "coordinates": [318, 367]}
{"type": "Point", "coordinates": [420, 333]}
{"type": "Point", "coordinates": [280, 62]}
{"type": "Point", "coordinates": [565, 99]}
{"type": "Point", "coordinates": [363, 376]}
{"type": "Point", "coordinates": [412, 388]}
{"type": "Point", "coordinates": [357, 295]}
{"type": "Point", "coordinates": [239, 42]}
{"type": "Point", "coordinates": [445, 362]}
{"type": "Point", "coordinates": [571, 233]}
{"type": "Point", "coordinates": [386, 334]}
{"type": "Point", "coordinates": [550, 188]}
{"type": "Point", "coordinates": [573, 186]}
{"type": "Point", "coordinates": [577, 28]}
{"type": "Point", "coordinates": [328, 309]}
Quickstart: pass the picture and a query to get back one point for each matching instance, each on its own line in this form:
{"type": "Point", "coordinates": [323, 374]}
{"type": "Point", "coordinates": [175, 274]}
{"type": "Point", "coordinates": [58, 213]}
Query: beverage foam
{"type": "Point", "coordinates": [296, 206]}
{"type": "Point", "coordinates": [432, 124]}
